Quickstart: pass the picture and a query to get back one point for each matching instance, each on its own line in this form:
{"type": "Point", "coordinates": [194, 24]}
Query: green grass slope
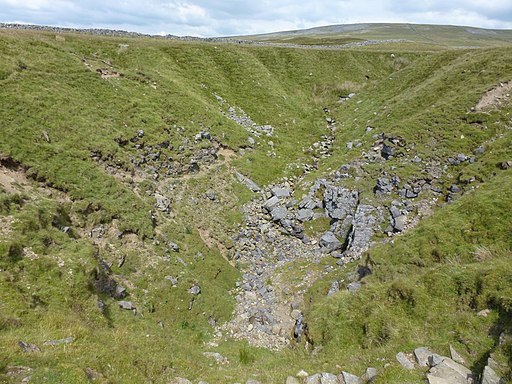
{"type": "Point", "coordinates": [445, 36]}
{"type": "Point", "coordinates": [68, 159]}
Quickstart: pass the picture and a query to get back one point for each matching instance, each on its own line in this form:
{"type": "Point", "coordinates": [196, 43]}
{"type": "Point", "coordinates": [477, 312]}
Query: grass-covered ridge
{"type": "Point", "coordinates": [71, 151]}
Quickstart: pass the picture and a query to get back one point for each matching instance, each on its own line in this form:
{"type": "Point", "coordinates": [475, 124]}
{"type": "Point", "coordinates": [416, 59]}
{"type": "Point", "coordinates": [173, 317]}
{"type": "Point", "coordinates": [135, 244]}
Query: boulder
{"type": "Point", "coordinates": [362, 230]}
{"type": "Point", "coordinates": [329, 242]}
{"type": "Point", "coordinates": [399, 223]}
{"type": "Point", "coordinates": [354, 286]}
{"type": "Point", "coordinates": [340, 202]}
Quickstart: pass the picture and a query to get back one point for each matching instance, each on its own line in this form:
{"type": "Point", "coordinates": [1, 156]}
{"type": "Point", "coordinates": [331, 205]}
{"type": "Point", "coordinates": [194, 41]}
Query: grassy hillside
{"type": "Point", "coordinates": [433, 36]}
{"type": "Point", "coordinates": [117, 183]}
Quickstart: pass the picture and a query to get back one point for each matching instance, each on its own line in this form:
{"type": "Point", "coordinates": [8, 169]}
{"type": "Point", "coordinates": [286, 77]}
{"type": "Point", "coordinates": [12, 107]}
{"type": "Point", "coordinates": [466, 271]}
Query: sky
{"type": "Point", "coordinates": [208, 18]}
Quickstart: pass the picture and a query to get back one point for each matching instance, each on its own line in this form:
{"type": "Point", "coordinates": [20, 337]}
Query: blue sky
{"type": "Point", "coordinates": [234, 17]}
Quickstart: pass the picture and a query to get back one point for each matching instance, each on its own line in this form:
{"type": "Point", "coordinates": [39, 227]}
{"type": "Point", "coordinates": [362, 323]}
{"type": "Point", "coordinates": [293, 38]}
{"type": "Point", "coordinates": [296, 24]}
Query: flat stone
{"type": "Point", "coordinates": [421, 354]}
{"type": "Point", "coordinates": [435, 359]}
{"type": "Point", "coordinates": [350, 378]}
{"type": "Point", "coordinates": [247, 182]}
{"type": "Point", "coordinates": [404, 360]}
{"type": "Point", "coordinates": [271, 203]}
{"type": "Point", "coordinates": [315, 379]}
{"type": "Point", "coordinates": [279, 213]}
{"type": "Point", "coordinates": [292, 380]}
{"type": "Point", "coordinates": [295, 314]}
{"type": "Point", "coordinates": [400, 222]}
{"type": "Point", "coordinates": [329, 378]}
{"type": "Point", "coordinates": [450, 371]}
{"type": "Point", "coordinates": [305, 215]}
{"type": "Point", "coordinates": [281, 192]}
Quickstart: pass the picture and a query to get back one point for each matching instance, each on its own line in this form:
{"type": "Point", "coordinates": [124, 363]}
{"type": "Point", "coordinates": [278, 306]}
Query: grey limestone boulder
{"type": "Point", "coordinates": [279, 213]}
{"type": "Point", "coordinates": [329, 242]}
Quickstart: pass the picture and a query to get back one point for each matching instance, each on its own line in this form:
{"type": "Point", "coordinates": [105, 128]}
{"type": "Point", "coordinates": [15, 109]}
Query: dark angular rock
{"type": "Point", "coordinates": [329, 242]}
{"type": "Point", "coordinates": [388, 152]}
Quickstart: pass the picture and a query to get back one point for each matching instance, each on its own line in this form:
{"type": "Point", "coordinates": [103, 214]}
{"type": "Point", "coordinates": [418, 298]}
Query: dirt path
{"type": "Point", "coordinates": [495, 97]}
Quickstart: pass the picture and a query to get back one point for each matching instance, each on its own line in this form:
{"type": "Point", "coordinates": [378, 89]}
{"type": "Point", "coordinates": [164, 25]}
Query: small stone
{"type": "Point", "coordinates": [295, 314]}
{"type": "Point", "coordinates": [302, 374]}
{"type": "Point", "coordinates": [126, 305]}
{"type": "Point", "coordinates": [67, 340]}
{"type": "Point", "coordinates": [281, 192]}
{"type": "Point", "coordinates": [404, 360]}
{"type": "Point", "coordinates": [180, 380]}
{"type": "Point", "coordinates": [271, 203]}
{"type": "Point", "coordinates": [484, 312]}
{"type": "Point", "coordinates": [28, 348]}
{"type": "Point", "coordinates": [219, 359]}
{"type": "Point", "coordinates": [292, 380]}
{"type": "Point", "coordinates": [370, 374]}
{"type": "Point", "coordinates": [279, 213]}
{"type": "Point", "coordinates": [354, 286]}
{"type": "Point", "coordinates": [195, 290]}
